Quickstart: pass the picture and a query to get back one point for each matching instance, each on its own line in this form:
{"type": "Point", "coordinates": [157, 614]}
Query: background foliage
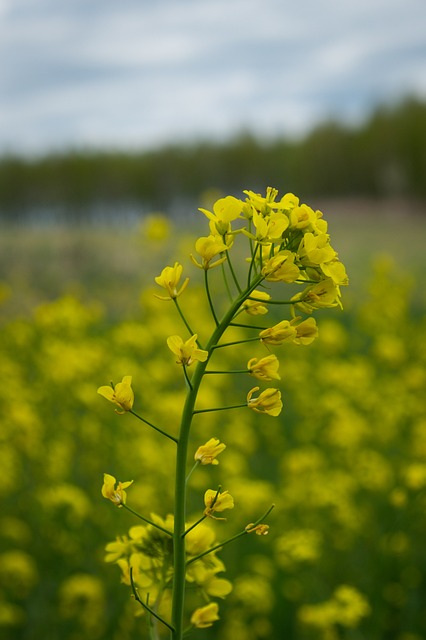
{"type": "Point", "coordinates": [344, 463]}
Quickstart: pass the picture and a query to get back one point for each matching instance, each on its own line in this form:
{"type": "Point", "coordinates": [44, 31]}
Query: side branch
{"type": "Point", "coordinates": [238, 535]}
{"type": "Point", "coordinates": [164, 433]}
{"type": "Point", "coordinates": [147, 520]}
{"type": "Point", "coordinates": [145, 606]}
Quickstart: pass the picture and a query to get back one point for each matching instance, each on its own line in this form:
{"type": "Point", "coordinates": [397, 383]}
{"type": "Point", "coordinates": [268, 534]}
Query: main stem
{"type": "Point", "coordinates": [181, 460]}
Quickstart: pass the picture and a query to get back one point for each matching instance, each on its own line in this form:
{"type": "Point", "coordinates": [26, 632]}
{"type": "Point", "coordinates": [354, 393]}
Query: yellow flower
{"type": "Point", "coordinates": [336, 271]}
{"type": "Point", "coordinates": [217, 501]}
{"type": "Point", "coordinates": [269, 401]}
{"type": "Point", "coordinates": [316, 250]}
{"type": "Point", "coordinates": [169, 280]}
{"type": "Point", "coordinates": [254, 307]}
{"type": "Point", "coordinates": [224, 211]}
{"type": "Point", "coordinates": [289, 331]}
{"type": "Point", "coordinates": [322, 295]}
{"type": "Point", "coordinates": [208, 248]}
{"type": "Point", "coordinates": [207, 453]}
{"type": "Point", "coordinates": [205, 616]}
{"type": "Point", "coordinates": [269, 228]}
{"type": "Point", "coordinates": [116, 495]}
{"type": "Point", "coordinates": [306, 331]}
{"type": "Point", "coordinates": [122, 394]}
{"type": "Point", "coordinates": [120, 548]}
{"type": "Point", "coordinates": [266, 204]}
{"type": "Point", "coordinates": [259, 530]}
{"type": "Point", "coordinates": [205, 577]}
{"type": "Point", "coordinates": [302, 217]}
{"type": "Point", "coordinates": [265, 368]}
{"type": "Point", "coordinates": [284, 331]}
{"type": "Point", "coordinates": [187, 352]}
{"type": "Point", "coordinates": [199, 539]}
{"type": "Point", "coordinates": [281, 268]}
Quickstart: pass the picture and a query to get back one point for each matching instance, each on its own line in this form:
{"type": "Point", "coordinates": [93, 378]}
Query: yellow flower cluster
{"type": "Point", "coordinates": [287, 244]}
{"type": "Point", "coordinates": [147, 553]}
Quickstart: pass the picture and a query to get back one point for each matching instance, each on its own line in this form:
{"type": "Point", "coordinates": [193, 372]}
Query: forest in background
{"type": "Point", "coordinates": [385, 157]}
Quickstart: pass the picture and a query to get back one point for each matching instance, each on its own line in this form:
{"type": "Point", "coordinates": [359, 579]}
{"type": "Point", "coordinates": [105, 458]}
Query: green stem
{"type": "Point", "coordinates": [247, 326]}
{"type": "Point", "coordinates": [153, 426]}
{"type": "Point", "coordinates": [179, 558]}
{"type": "Point", "coordinates": [184, 320]}
{"type": "Point", "coordinates": [230, 371]}
{"type": "Point", "coordinates": [138, 515]}
{"type": "Point", "coordinates": [238, 535]}
{"type": "Point", "coordinates": [253, 254]}
{"type": "Point", "coordinates": [194, 525]}
{"type": "Point", "coordinates": [197, 462]}
{"type": "Point", "coordinates": [234, 277]}
{"type": "Point", "coordinates": [225, 279]}
{"type": "Point", "coordinates": [230, 344]}
{"type": "Point", "coordinates": [235, 406]}
{"type": "Point", "coordinates": [185, 373]}
{"type": "Point", "coordinates": [206, 282]}
{"type": "Point", "coordinates": [272, 301]}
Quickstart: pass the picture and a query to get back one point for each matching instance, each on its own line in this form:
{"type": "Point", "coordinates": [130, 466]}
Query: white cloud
{"type": "Point", "coordinates": [136, 72]}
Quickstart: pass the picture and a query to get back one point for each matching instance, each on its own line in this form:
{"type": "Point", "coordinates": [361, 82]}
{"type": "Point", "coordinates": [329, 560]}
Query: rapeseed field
{"type": "Point", "coordinates": [344, 462]}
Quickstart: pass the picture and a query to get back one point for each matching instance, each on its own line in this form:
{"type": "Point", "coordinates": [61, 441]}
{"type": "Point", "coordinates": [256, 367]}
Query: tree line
{"type": "Point", "coordinates": [383, 157]}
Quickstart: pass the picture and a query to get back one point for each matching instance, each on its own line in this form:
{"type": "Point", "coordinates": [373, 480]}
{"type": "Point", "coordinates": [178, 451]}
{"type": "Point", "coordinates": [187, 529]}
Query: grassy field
{"type": "Point", "coordinates": [344, 463]}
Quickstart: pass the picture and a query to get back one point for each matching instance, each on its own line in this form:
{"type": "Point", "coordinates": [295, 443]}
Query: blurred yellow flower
{"type": "Point", "coordinates": [156, 227]}
{"type": "Point", "coordinates": [188, 351]}
{"type": "Point", "coordinates": [117, 495]}
{"type": "Point", "coordinates": [122, 394]}
{"type": "Point", "coordinates": [120, 548]}
{"type": "Point", "coordinates": [169, 279]}
{"type": "Point", "coordinates": [205, 616]}
{"type": "Point", "coordinates": [205, 576]}
{"type": "Point", "coordinates": [207, 453]}
{"type": "Point", "coordinates": [199, 539]}
{"type": "Point", "coordinates": [217, 501]}
{"type": "Point", "coordinates": [346, 608]}
{"type": "Point", "coordinates": [264, 369]}
{"type": "Point", "coordinates": [259, 529]}
{"type": "Point", "coordinates": [269, 401]}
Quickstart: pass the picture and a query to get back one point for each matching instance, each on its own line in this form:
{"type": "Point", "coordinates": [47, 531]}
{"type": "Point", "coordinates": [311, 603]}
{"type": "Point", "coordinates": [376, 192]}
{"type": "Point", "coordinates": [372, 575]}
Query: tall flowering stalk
{"type": "Point", "coordinates": [286, 244]}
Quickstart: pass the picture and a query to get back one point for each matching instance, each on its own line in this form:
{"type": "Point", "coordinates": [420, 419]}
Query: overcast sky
{"type": "Point", "coordinates": [139, 73]}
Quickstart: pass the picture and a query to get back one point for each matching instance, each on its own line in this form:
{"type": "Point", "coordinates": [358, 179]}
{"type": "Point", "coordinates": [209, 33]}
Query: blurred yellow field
{"type": "Point", "coordinates": [344, 463]}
